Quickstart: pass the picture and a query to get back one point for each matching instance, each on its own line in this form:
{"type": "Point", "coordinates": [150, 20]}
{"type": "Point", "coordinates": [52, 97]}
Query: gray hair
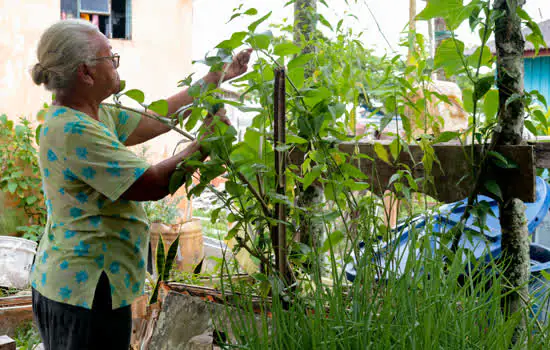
{"type": "Point", "coordinates": [61, 49]}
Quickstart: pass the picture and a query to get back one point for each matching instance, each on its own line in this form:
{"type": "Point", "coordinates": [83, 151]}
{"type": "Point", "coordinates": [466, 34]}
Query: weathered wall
{"type": "Point", "coordinates": [157, 57]}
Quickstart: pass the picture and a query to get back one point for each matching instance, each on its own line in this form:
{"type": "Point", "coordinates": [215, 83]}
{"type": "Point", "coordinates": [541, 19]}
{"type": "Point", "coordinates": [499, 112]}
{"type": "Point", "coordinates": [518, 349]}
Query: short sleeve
{"type": "Point", "coordinates": [97, 157]}
{"type": "Point", "coordinates": [125, 122]}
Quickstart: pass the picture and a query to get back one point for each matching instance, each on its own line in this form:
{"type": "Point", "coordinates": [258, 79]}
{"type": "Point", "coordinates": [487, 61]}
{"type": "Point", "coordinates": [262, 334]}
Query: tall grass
{"type": "Point", "coordinates": [428, 304]}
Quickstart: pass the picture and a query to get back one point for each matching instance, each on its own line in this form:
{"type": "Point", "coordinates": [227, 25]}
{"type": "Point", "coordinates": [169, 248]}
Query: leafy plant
{"type": "Point", "coordinates": [165, 262]}
{"type": "Point", "coordinates": [20, 172]}
{"type": "Point", "coordinates": [26, 336]}
{"type": "Point", "coordinates": [164, 210]}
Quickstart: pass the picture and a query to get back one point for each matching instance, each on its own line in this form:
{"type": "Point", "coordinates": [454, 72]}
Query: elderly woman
{"type": "Point", "coordinates": [90, 264]}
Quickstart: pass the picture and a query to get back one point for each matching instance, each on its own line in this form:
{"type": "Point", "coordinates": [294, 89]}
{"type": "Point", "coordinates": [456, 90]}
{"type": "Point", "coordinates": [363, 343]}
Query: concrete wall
{"type": "Point", "coordinates": [157, 57]}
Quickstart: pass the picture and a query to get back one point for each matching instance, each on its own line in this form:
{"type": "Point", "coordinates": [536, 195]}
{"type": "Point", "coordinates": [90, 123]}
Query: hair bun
{"type": "Point", "coordinates": [39, 74]}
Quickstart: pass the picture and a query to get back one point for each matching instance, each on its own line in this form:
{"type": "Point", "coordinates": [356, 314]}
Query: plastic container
{"type": "Point", "coordinates": [16, 257]}
{"type": "Point", "coordinates": [191, 243]}
{"type": "Point", "coordinates": [480, 242]}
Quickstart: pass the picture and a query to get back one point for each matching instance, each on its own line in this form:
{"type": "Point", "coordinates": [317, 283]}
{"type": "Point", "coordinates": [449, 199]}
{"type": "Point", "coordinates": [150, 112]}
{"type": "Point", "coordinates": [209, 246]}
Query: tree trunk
{"type": "Point", "coordinates": [305, 21]}
{"type": "Point", "coordinates": [515, 244]}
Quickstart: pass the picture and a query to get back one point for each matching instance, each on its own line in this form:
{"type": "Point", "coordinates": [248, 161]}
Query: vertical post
{"type": "Point", "coordinates": [412, 28]}
{"type": "Point", "coordinates": [440, 35]}
{"type": "Point", "coordinates": [280, 168]}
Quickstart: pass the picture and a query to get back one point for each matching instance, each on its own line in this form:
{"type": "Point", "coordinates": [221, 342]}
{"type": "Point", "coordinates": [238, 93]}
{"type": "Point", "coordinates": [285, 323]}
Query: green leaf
{"type": "Point", "coordinates": [37, 134]}
{"type": "Point", "coordinates": [260, 41]}
{"type": "Point", "coordinates": [297, 76]}
{"type": "Point", "coordinates": [512, 99]}
{"type": "Point", "coordinates": [251, 12]}
{"type": "Point", "coordinates": [541, 118]}
{"type": "Point", "coordinates": [234, 189]}
{"type": "Point", "coordinates": [482, 86]}
{"type": "Point", "coordinates": [333, 239]}
{"type": "Point", "coordinates": [449, 56]}
{"type": "Point", "coordinates": [286, 49]}
{"type": "Point", "coordinates": [160, 107]}
{"type": "Point", "coordinates": [324, 21]}
{"type": "Point", "coordinates": [136, 95]}
{"type": "Point", "coordinates": [453, 11]}
{"type": "Point", "coordinates": [494, 188]}
{"type": "Point", "coordinates": [337, 110]}
{"type": "Point", "coordinates": [540, 97]}
{"type": "Point", "coordinates": [490, 104]}
{"type": "Point", "coordinates": [446, 136]}
{"type": "Point", "coordinates": [197, 270]}
{"type": "Point", "coordinates": [20, 131]}
{"type": "Point", "coordinates": [233, 43]}
{"type": "Point", "coordinates": [295, 139]}
{"type": "Point", "coordinates": [486, 57]}
{"type": "Point", "coordinates": [314, 96]}
{"type": "Point", "coordinates": [300, 60]}
{"type": "Point", "coordinates": [468, 100]}
{"type": "Point", "coordinates": [12, 186]}
{"type": "Point", "coordinates": [353, 171]}
{"type": "Point", "coordinates": [252, 27]}
{"type": "Point", "coordinates": [395, 148]}
{"type": "Point", "coordinates": [169, 262]}
{"type": "Point", "coordinates": [531, 127]}
{"type": "Point", "coordinates": [501, 161]}
{"type": "Point", "coordinates": [161, 257]}
{"type": "Point", "coordinates": [31, 200]}
{"type": "Point", "coordinates": [194, 90]}
{"type": "Point", "coordinates": [311, 176]}
{"type": "Point", "coordinates": [381, 152]}
{"type": "Point", "coordinates": [176, 181]}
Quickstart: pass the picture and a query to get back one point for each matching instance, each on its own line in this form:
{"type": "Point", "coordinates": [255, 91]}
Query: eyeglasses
{"type": "Point", "coordinates": [114, 58]}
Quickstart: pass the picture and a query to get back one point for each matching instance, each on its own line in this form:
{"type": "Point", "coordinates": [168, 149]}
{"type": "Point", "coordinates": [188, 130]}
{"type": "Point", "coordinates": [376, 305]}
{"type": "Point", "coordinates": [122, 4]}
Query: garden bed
{"type": "Point", "coordinates": [14, 311]}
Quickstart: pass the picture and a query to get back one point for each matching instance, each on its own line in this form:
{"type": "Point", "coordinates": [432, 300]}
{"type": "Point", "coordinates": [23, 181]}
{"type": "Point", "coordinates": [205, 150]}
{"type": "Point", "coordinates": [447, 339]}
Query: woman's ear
{"type": "Point", "coordinates": [84, 74]}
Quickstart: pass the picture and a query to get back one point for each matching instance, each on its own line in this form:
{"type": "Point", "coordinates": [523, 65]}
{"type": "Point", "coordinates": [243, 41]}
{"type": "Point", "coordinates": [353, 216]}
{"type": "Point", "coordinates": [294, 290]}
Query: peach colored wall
{"type": "Point", "coordinates": [157, 57]}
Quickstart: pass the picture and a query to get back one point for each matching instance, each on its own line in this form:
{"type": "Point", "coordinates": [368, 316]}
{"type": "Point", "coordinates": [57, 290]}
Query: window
{"type": "Point", "coordinates": [112, 17]}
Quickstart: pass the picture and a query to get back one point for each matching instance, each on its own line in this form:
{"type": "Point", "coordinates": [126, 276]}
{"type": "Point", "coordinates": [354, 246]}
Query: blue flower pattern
{"type": "Point", "coordinates": [65, 293]}
{"type": "Point", "coordinates": [113, 169]}
{"type": "Point", "coordinates": [95, 220]}
{"type": "Point", "coordinates": [81, 249]}
{"type": "Point", "coordinates": [114, 267]}
{"type": "Point", "coordinates": [82, 153]}
{"type": "Point", "coordinates": [124, 234]}
{"type": "Point", "coordinates": [59, 112]}
{"type": "Point", "coordinates": [100, 261]}
{"type": "Point", "coordinates": [89, 173]}
{"type": "Point", "coordinates": [123, 117]}
{"type": "Point", "coordinates": [52, 157]}
{"type": "Point", "coordinates": [69, 175]}
{"type": "Point", "coordinates": [138, 172]}
{"type": "Point", "coordinates": [82, 197]}
{"type": "Point", "coordinates": [76, 212]}
{"type": "Point", "coordinates": [74, 128]}
{"type": "Point", "coordinates": [81, 277]}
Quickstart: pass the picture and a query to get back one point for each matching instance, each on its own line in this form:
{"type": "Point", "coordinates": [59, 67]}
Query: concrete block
{"type": "Point", "coordinates": [6, 343]}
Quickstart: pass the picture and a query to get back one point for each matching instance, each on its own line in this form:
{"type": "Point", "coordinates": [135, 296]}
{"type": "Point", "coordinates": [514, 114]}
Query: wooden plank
{"type": "Point", "coordinates": [542, 155]}
{"type": "Point", "coordinates": [452, 179]}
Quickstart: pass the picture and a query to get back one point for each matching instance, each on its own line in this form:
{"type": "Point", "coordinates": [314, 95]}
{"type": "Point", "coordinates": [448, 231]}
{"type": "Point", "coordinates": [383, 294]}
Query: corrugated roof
{"type": "Point", "coordinates": [544, 28]}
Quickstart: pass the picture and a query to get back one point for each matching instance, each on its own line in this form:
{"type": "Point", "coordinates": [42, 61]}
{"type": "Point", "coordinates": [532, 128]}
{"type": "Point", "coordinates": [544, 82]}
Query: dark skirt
{"type": "Point", "coordinates": [67, 327]}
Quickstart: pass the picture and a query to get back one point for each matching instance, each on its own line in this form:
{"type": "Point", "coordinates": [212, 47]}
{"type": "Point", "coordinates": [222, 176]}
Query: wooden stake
{"type": "Point", "coordinates": [279, 239]}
